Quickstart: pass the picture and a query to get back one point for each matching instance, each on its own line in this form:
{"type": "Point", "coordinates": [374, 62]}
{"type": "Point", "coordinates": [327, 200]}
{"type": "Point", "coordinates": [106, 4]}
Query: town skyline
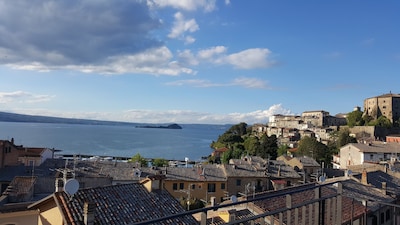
{"type": "Point", "coordinates": [203, 61]}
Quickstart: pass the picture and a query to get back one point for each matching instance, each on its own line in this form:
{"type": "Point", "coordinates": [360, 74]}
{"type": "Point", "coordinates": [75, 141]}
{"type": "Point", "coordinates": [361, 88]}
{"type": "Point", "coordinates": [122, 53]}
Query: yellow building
{"type": "Point", "coordinates": [200, 182]}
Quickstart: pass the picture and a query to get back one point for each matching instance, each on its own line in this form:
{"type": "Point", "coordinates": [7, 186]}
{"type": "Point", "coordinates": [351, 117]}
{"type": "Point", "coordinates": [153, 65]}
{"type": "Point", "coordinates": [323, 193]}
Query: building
{"type": "Point", "coordinates": [354, 154]}
{"type": "Point", "coordinates": [321, 118]}
{"type": "Point", "coordinates": [202, 182]}
{"type": "Point", "coordinates": [395, 138]}
{"type": "Point", "coordinates": [302, 163]}
{"type": "Point", "coordinates": [253, 174]}
{"type": "Point", "coordinates": [14, 155]}
{"type": "Point", "coordinates": [387, 105]}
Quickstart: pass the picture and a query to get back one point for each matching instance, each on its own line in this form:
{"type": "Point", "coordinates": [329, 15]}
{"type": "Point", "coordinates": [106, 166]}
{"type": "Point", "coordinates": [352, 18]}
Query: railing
{"type": "Point", "coordinates": [316, 210]}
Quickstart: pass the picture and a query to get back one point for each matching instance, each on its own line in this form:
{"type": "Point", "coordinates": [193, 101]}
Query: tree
{"type": "Point", "coordinates": [355, 118]}
{"type": "Point", "coordinates": [268, 147]}
{"type": "Point", "coordinates": [159, 162]}
{"type": "Point", "coordinates": [382, 121]}
{"type": "Point", "coordinates": [251, 144]}
{"type": "Point", "coordinates": [311, 147]}
{"type": "Point", "coordinates": [282, 149]}
{"type": "Point", "coordinates": [139, 159]}
{"type": "Point", "coordinates": [344, 138]}
{"type": "Point", "coordinates": [238, 129]}
{"type": "Point", "coordinates": [226, 156]}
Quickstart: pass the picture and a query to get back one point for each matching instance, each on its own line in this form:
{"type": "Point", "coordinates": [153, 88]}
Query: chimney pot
{"type": "Point", "coordinates": [364, 177]}
{"type": "Point", "coordinates": [384, 188]}
{"type": "Point", "coordinates": [88, 213]}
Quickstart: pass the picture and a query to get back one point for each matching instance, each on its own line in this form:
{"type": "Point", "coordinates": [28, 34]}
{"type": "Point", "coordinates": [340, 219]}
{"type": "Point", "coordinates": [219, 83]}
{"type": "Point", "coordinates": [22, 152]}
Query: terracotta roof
{"type": "Point", "coordinates": [239, 215]}
{"type": "Point", "coordinates": [33, 152]}
{"type": "Point", "coordinates": [209, 172]}
{"type": "Point", "coordinates": [20, 185]}
{"type": "Point", "coordinates": [376, 147]}
{"type": "Point", "coordinates": [307, 161]}
{"type": "Point", "coordinates": [254, 166]}
{"type": "Point", "coordinates": [375, 178]}
{"type": "Point", "coordinates": [356, 190]}
{"type": "Point", "coordinates": [120, 204]}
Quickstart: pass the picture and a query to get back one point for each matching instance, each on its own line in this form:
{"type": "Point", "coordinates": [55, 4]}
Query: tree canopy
{"type": "Point", "coordinates": [239, 140]}
{"type": "Point", "coordinates": [139, 159]}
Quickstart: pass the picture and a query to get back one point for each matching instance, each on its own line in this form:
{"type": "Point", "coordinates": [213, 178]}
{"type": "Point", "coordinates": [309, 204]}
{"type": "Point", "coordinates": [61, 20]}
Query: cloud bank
{"type": "Point", "coordinates": [108, 38]}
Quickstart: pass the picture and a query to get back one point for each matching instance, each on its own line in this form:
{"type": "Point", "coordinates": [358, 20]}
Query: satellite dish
{"type": "Point", "coordinates": [234, 199]}
{"type": "Point", "coordinates": [322, 178]}
{"type": "Point", "coordinates": [137, 173]}
{"type": "Point", "coordinates": [349, 172]}
{"type": "Point", "coordinates": [71, 186]}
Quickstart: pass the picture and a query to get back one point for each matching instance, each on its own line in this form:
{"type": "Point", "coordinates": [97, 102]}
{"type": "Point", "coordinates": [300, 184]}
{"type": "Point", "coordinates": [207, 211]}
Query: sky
{"type": "Point", "coordinates": [195, 61]}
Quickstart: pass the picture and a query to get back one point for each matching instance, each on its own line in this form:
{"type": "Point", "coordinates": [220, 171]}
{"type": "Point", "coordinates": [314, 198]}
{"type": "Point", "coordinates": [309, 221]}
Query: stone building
{"type": "Point", "coordinates": [387, 105]}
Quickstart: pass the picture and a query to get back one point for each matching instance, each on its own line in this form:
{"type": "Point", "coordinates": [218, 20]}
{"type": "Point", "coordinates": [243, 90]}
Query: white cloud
{"type": "Point", "coordinates": [23, 97]}
{"type": "Point", "coordinates": [210, 53]}
{"type": "Point", "coordinates": [249, 59]}
{"type": "Point", "coordinates": [181, 26]}
{"type": "Point", "coordinates": [193, 83]}
{"type": "Point", "coordinates": [181, 116]}
{"type": "Point", "coordinates": [169, 116]}
{"type": "Point", "coordinates": [188, 58]}
{"type": "Point", "coordinates": [252, 58]}
{"type": "Point", "coordinates": [155, 61]}
{"type": "Point", "coordinates": [251, 83]}
{"type": "Point", "coordinates": [188, 5]}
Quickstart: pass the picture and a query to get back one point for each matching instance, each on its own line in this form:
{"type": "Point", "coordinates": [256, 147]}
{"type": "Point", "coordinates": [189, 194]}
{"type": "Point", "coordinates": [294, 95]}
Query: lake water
{"type": "Point", "coordinates": [193, 141]}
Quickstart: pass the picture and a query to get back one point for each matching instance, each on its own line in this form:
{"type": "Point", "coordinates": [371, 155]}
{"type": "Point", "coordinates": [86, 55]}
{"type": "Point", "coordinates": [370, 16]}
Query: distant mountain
{"type": "Point", "coordinates": [14, 117]}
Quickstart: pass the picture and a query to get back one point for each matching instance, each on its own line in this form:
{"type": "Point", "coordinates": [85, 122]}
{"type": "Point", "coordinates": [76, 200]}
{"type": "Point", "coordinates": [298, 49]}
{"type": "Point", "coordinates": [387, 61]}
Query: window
{"type": "Point", "coordinates": [181, 186]}
{"type": "Point", "coordinates": [382, 218]}
{"type": "Point", "coordinates": [222, 186]}
{"type": "Point", "coordinates": [174, 186]}
{"type": "Point", "coordinates": [193, 186]}
{"type": "Point", "coordinates": [371, 156]}
{"type": "Point", "coordinates": [388, 215]}
{"type": "Point", "coordinates": [238, 182]}
{"type": "Point", "coordinates": [211, 187]}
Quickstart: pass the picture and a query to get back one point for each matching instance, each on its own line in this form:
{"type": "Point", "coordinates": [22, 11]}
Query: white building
{"type": "Point", "coordinates": [360, 153]}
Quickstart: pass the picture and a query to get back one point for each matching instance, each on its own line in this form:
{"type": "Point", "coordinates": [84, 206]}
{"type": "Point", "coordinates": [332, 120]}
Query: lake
{"type": "Point", "coordinates": [192, 141]}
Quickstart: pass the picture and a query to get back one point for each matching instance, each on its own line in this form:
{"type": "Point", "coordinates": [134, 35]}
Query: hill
{"type": "Point", "coordinates": [14, 117]}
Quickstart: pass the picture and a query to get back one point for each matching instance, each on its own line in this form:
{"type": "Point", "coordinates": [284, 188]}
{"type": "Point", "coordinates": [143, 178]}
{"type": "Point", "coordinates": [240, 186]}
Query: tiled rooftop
{"type": "Point", "coordinates": [209, 172]}
{"type": "Point", "coordinates": [120, 204]}
{"type": "Point", "coordinates": [303, 196]}
{"type": "Point", "coordinates": [377, 147]}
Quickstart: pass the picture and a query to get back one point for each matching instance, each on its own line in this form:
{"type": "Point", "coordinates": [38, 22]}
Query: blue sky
{"type": "Point", "coordinates": [195, 61]}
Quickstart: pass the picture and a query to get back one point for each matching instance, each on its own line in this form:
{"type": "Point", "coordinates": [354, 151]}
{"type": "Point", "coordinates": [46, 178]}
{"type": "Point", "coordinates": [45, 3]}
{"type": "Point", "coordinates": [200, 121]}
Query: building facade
{"type": "Point", "coordinates": [387, 105]}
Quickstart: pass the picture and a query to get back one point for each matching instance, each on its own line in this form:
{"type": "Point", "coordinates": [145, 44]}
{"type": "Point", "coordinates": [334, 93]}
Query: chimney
{"type": "Point", "coordinates": [364, 179]}
{"type": "Point", "coordinates": [279, 171]}
{"type": "Point", "coordinates": [232, 215]}
{"type": "Point", "coordinates": [88, 213]}
{"type": "Point", "coordinates": [384, 188]}
{"type": "Point", "coordinates": [59, 184]}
